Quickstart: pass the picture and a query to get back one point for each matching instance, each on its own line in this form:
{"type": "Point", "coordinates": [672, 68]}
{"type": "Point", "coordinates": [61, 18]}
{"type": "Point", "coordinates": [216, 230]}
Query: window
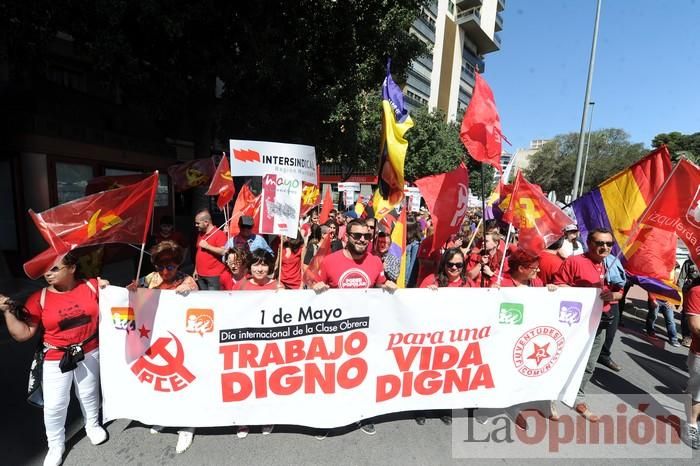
{"type": "Point", "coordinates": [71, 180]}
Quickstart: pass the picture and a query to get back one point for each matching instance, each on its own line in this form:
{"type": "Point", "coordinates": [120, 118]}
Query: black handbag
{"type": "Point", "coordinates": [35, 394]}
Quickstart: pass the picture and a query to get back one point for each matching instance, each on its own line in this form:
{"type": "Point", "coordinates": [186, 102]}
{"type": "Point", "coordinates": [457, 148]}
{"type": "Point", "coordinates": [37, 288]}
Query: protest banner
{"type": "Point", "coordinates": [281, 201]}
{"type": "Point", "coordinates": [287, 161]}
{"type": "Point", "coordinates": [414, 197]}
{"type": "Point", "coordinates": [348, 189]}
{"type": "Point", "coordinates": [215, 358]}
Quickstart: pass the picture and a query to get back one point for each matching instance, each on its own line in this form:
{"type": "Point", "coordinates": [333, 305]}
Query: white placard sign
{"type": "Point", "coordinates": [258, 158]}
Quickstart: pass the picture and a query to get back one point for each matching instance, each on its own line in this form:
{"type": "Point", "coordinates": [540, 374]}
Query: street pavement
{"type": "Point", "coordinates": [649, 366]}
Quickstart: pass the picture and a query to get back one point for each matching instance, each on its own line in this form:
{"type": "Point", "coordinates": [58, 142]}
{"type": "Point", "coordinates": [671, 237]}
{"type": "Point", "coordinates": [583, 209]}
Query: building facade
{"type": "Point", "coordinates": [459, 35]}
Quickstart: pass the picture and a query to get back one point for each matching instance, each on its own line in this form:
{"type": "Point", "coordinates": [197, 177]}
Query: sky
{"type": "Point", "coordinates": [646, 78]}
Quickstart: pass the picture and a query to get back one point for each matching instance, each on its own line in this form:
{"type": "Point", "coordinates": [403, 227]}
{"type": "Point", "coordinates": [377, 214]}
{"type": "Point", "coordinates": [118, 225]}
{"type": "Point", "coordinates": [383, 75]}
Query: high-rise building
{"type": "Point", "coordinates": [459, 34]}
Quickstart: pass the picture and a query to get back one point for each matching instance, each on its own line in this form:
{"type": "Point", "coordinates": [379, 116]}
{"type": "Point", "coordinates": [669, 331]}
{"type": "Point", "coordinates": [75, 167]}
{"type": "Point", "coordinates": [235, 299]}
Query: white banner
{"type": "Point", "coordinates": [349, 189]}
{"type": "Point", "coordinates": [281, 202]}
{"type": "Point", "coordinates": [216, 358]}
{"type": "Point", "coordinates": [414, 197]}
{"type": "Point", "coordinates": [258, 158]}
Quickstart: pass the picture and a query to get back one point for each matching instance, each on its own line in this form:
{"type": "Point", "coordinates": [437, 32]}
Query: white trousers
{"type": "Point", "coordinates": [56, 387]}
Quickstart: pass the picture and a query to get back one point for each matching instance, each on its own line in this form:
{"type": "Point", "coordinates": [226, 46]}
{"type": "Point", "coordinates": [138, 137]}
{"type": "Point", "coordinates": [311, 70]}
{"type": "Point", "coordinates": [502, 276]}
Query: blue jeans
{"type": "Point", "coordinates": [668, 317]}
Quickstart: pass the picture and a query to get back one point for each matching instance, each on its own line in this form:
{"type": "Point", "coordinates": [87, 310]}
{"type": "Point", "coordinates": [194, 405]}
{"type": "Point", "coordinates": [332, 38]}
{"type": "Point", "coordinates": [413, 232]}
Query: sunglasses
{"type": "Point", "coordinates": [455, 265]}
{"type": "Point", "coordinates": [169, 267]}
{"type": "Point", "coordinates": [359, 236]}
{"type": "Point", "coordinates": [56, 269]}
{"type": "Point", "coordinates": [604, 243]}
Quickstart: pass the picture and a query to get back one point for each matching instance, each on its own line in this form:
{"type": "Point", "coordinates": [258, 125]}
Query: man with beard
{"type": "Point", "coordinates": [354, 267]}
{"type": "Point", "coordinates": [210, 247]}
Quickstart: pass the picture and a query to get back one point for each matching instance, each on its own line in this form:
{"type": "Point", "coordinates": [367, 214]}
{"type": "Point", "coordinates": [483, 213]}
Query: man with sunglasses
{"type": "Point", "coordinates": [588, 271]}
{"type": "Point", "coordinates": [354, 267]}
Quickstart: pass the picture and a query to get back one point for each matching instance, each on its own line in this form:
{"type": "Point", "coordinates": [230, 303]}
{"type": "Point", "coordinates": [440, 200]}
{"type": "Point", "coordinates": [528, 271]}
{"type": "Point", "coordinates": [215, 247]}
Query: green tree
{"type": "Point", "coordinates": [687, 145]}
{"type": "Point", "coordinates": [610, 151]}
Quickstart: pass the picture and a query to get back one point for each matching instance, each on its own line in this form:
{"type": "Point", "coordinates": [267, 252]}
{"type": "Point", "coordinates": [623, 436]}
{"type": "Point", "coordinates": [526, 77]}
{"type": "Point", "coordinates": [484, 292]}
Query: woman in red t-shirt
{"type": "Point", "coordinates": [236, 259]}
{"type": "Point", "coordinates": [261, 264]}
{"type": "Point", "coordinates": [290, 270]}
{"type": "Point", "coordinates": [451, 272]}
{"type": "Point", "coordinates": [68, 312]}
{"type": "Point", "coordinates": [522, 271]}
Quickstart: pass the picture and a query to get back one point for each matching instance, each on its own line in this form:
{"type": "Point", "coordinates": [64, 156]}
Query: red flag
{"type": "Point", "coordinates": [121, 215]}
{"type": "Point", "coordinates": [326, 207]}
{"type": "Point", "coordinates": [191, 174]}
{"type": "Point", "coordinates": [222, 184]}
{"type": "Point", "coordinates": [481, 126]}
{"type": "Point", "coordinates": [676, 208]}
{"type": "Point", "coordinates": [446, 196]}
{"type": "Point", "coordinates": [312, 274]}
{"type": "Point", "coordinates": [539, 222]}
{"type": "Point", "coordinates": [247, 204]}
{"type": "Point", "coordinates": [106, 183]}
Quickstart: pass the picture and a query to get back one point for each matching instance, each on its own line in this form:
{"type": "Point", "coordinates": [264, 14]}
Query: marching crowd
{"type": "Point", "coordinates": [355, 254]}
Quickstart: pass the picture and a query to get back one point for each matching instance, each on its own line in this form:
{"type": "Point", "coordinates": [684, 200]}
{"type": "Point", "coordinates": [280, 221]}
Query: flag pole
{"type": "Point", "coordinates": [503, 259]}
{"type": "Point", "coordinates": [279, 260]}
{"type": "Point", "coordinates": [483, 212]}
{"type": "Point", "coordinates": [138, 269]}
{"type": "Point", "coordinates": [149, 220]}
{"type": "Point", "coordinates": [476, 230]}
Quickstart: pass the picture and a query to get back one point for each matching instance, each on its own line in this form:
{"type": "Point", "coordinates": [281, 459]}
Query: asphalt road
{"type": "Point", "coordinates": [649, 366]}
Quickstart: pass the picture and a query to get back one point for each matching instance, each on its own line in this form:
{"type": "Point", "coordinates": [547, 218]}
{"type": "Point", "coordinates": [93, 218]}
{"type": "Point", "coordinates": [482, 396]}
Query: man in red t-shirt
{"type": "Point", "coordinates": [588, 271]}
{"type": "Point", "coordinates": [484, 264]}
{"type": "Point", "coordinates": [210, 247]}
{"type": "Point", "coordinates": [691, 302]}
{"type": "Point", "coordinates": [353, 266]}
{"type": "Point", "coordinates": [550, 263]}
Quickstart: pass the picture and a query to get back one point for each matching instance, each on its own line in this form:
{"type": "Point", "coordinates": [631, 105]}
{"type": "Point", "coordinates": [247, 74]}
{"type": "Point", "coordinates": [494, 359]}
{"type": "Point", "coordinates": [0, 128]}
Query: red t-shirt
{"type": "Point", "coordinates": [250, 285]}
{"type": "Point", "coordinates": [68, 318]}
{"type": "Point", "coordinates": [507, 281]}
{"type": "Point", "coordinates": [338, 271]}
{"type": "Point", "coordinates": [226, 281]}
{"type": "Point", "coordinates": [494, 264]}
{"type": "Point", "coordinates": [208, 264]}
{"type": "Point", "coordinates": [581, 271]}
{"type": "Point", "coordinates": [549, 266]}
{"type": "Point", "coordinates": [691, 300]}
{"type": "Point", "coordinates": [291, 269]}
{"type": "Point", "coordinates": [432, 280]}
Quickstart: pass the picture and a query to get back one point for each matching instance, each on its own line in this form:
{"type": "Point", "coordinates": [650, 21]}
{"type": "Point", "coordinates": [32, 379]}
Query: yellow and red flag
{"type": "Point", "coordinates": [539, 222]}
{"type": "Point", "coordinates": [197, 172]}
{"type": "Point", "coordinates": [121, 215]}
{"type": "Point", "coordinates": [222, 184]}
{"type": "Point", "coordinates": [360, 208]}
{"type": "Point", "coordinates": [310, 197]}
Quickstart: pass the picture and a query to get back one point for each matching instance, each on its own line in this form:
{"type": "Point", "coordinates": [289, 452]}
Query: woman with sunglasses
{"type": "Point", "coordinates": [166, 258]}
{"type": "Point", "coordinates": [236, 260]}
{"type": "Point", "coordinates": [451, 272]}
{"type": "Point", "coordinates": [67, 313]}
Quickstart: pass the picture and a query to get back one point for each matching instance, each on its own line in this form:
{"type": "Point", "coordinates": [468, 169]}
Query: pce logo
{"type": "Point", "coordinates": [199, 321]}
{"type": "Point", "coordinates": [511, 313]}
{"type": "Point", "coordinates": [123, 318]}
{"type": "Point", "coordinates": [172, 376]}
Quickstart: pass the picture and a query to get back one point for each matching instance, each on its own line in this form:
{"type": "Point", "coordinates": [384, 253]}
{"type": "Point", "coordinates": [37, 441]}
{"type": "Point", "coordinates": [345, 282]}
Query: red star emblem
{"type": "Point", "coordinates": [539, 353]}
{"type": "Point", "coordinates": [144, 332]}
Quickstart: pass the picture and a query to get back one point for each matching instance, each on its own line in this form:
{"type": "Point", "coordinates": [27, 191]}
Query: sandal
{"type": "Point", "coordinates": [587, 414]}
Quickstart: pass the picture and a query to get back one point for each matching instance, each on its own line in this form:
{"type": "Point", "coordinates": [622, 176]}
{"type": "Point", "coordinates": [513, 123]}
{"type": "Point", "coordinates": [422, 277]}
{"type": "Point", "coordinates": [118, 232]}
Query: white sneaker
{"type": "Point", "coordinates": [156, 429]}
{"type": "Point", "coordinates": [691, 436]}
{"type": "Point", "coordinates": [242, 432]}
{"type": "Point", "coordinates": [267, 430]}
{"type": "Point", "coordinates": [184, 441]}
{"type": "Point", "coordinates": [96, 434]}
{"type": "Point", "coordinates": [54, 457]}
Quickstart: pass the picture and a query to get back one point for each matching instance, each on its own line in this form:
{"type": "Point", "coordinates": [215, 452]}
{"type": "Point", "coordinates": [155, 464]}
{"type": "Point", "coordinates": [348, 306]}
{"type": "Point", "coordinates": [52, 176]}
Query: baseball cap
{"type": "Point", "coordinates": [571, 227]}
{"type": "Point", "coordinates": [245, 221]}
